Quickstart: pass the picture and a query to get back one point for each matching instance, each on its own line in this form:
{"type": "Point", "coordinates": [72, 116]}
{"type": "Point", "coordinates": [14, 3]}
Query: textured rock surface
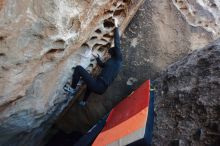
{"type": "Point", "coordinates": [201, 13]}
{"type": "Point", "coordinates": [187, 100]}
{"type": "Point", "coordinates": [157, 36]}
{"type": "Point", "coordinates": [40, 41]}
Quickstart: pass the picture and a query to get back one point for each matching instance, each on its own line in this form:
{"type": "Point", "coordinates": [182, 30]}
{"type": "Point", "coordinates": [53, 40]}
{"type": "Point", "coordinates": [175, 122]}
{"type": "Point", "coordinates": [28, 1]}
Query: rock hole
{"type": "Point", "coordinates": [108, 45]}
{"type": "Point", "coordinates": [52, 54]}
{"type": "Point", "coordinates": [104, 47]}
{"type": "Point", "coordinates": [96, 46]}
{"type": "Point", "coordinates": [108, 24]}
{"type": "Point", "coordinates": [85, 45]}
{"type": "Point", "coordinates": [2, 38]}
{"type": "Point", "coordinates": [19, 63]}
{"type": "Point", "coordinates": [126, 1]}
{"type": "Point", "coordinates": [119, 12]}
{"type": "Point", "coordinates": [213, 5]}
{"type": "Point", "coordinates": [108, 12]}
{"type": "Point", "coordinates": [52, 27]}
{"type": "Point", "coordinates": [101, 49]}
{"type": "Point", "coordinates": [98, 31]}
{"type": "Point", "coordinates": [91, 60]}
{"type": "Point", "coordinates": [94, 37]}
{"type": "Point", "coordinates": [52, 51]}
{"type": "Point", "coordinates": [107, 36]}
{"type": "Point", "coordinates": [39, 36]}
{"type": "Point", "coordinates": [59, 43]}
{"type": "Point", "coordinates": [90, 65]}
{"type": "Point", "coordinates": [122, 5]}
{"type": "Point", "coordinates": [2, 54]}
{"type": "Point", "coordinates": [104, 40]}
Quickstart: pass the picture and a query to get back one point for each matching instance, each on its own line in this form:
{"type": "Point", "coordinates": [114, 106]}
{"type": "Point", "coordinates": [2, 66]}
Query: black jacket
{"type": "Point", "coordinates": [112, 66]}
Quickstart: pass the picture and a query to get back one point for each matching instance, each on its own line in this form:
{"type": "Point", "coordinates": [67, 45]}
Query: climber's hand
{"type": "Point", "coordinates": [96, 56]}
{"type": "Point", "coordinates": [116, 22]}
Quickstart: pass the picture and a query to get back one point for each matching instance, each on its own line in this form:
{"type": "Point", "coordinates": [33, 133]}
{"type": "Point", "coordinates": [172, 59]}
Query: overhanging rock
{"type": "Point", "coordinates": [40, 41]}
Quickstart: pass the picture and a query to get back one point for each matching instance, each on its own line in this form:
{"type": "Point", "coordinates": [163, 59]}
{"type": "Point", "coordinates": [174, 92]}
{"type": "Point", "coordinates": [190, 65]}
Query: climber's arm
{"type": "Point", "coordinates": [117, 48]}
{"type": "Point", "coordinates": [99, 62]}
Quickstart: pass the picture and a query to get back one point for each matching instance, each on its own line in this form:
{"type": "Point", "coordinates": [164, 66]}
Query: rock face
{"type": "Point", "coordinates": [157, 36]}
{"type": "Point", "coordinates": [187, 100]}
{"type": "Point", "coordinates": [200, 13]}
{"type": "Point", "coordinates": [40, 41]}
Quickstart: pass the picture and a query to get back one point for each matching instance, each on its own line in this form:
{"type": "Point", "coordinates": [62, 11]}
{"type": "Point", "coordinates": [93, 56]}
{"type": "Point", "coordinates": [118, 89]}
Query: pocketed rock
{"type": "Point", "coordinates": [199, 13]}
{"type": "Point", "coordinates": [40, 41]}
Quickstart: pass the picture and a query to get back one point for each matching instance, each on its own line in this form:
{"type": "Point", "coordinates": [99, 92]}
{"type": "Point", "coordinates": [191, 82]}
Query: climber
{"type": "Point", "coordinates": [110, 69]}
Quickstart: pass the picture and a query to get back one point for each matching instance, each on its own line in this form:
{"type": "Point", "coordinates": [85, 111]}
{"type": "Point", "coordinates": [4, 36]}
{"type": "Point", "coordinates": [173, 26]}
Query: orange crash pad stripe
{"type": "Point", "coordinates": [127, 117]}
{"type": "Point", "coordinates": [123, 129]}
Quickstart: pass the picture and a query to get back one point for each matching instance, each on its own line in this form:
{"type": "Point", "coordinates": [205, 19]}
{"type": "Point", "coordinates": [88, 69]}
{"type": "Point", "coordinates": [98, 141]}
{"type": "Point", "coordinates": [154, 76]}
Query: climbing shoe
{"type": "Point", "coordinates": [67, 88]}
{"type": "Point", "coordinates": [82, 103]}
